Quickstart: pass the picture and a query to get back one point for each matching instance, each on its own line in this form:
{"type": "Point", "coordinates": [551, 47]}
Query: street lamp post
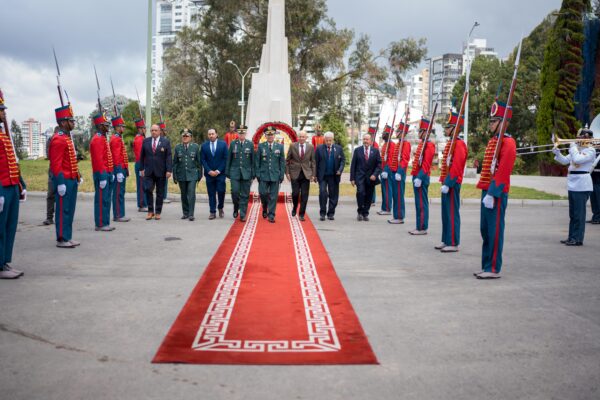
{"type": "Point", "coordinates": [242, 103]}
{"type": "Point", "coordinates": [466, 130]}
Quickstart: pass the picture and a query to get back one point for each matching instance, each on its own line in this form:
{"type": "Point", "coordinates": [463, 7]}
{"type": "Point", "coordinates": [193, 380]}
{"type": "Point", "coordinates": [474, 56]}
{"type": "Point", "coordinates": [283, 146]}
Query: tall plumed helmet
{"type": "Point", "coordinates": [64, 113]}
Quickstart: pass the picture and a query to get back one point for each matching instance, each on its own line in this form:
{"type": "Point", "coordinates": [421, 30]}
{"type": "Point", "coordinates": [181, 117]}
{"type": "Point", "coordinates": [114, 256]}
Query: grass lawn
{"type": "Point", "coordinates": [35, 173]}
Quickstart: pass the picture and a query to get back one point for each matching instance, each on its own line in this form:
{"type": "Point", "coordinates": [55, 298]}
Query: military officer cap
{"type": "Point", "coordinates": [186, 132]}
{"type": "Point", "coordinates": [269, 130]}
{"type": "Point", "coordinates": [243, 129]}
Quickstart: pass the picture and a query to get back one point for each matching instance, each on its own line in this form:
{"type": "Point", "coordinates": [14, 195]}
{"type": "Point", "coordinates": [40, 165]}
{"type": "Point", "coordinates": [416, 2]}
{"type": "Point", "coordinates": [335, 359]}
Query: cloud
{"type": "Point", "coordinates": [30, 89]}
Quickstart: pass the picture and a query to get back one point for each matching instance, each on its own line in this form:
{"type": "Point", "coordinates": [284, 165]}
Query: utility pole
{"type": "Point", "coordinates": [466, 127]}
{"type": "Point", "coordinates": [352, 114]}
{"type": "Point", "coordinates": [149, 68]}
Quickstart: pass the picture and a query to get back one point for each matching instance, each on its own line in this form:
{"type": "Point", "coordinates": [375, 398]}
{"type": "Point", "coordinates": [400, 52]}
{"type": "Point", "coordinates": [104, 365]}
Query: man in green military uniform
{"type": "Point", "coordinates": [240, 170]}
{"type": "Point", "coordinates": [187, 171]}
{"type": "Point", "coordinates": [269, 167]}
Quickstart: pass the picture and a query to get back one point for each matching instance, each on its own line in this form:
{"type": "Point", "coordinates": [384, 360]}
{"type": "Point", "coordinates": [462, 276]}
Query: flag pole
{"type": "Point", "coordinates": [149, 68]}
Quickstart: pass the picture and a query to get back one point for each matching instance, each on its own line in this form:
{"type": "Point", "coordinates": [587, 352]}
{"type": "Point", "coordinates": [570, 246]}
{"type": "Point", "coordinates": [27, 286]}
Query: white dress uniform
{"type": "Point", "coordinates": [579, 185]}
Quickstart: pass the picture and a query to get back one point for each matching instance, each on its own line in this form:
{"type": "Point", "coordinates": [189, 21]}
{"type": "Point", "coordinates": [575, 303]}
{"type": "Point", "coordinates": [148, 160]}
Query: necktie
{"type": "Point", "coordinates": [154, 145]}
{"type": "Point", "coordinates": [367, 153]}
{"type": "Point", "coordinates": [270, 147]}
{"type": "Point", "coordinates": [302, 152]}
{"type": "Point", "coordinates": [212, 148]}
{"type": "Point", "coordinates": [328, 151]}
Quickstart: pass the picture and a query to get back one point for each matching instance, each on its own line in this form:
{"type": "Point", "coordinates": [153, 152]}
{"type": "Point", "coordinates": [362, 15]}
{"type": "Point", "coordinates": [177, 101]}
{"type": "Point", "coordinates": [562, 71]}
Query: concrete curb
{"type": "Point", "coordinates": [203, 198]}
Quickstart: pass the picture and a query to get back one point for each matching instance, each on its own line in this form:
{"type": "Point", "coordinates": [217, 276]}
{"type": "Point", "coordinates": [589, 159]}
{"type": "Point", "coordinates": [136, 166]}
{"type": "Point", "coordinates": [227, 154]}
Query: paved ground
{"type": "Point", "coordinates": [85, 323]}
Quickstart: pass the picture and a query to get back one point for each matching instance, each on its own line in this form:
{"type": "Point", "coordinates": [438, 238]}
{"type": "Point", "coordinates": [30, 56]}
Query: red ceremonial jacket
{"type": "Point", "coordinates": [102, 161]}
{"type": "Point", "coordinates": [230, 137]}
{"type": "Point", "coordinates": [317, 141]}
{"type": "Point", "coordinates": [500, 182]}
{"type": "Point", "coordinates": [404, 156]}
{"type": "Point", "coordinates": [9, 170]}
{"type": "Point", "coordinates": [137, 146]}
{"type": "Point", "coordinates": [457, 167]}
{"type": "Point", "coordinates": [63, 161]}
{"type": "Point", "coordinates": [119, 152]}
{"type": "Point", "coordinates": [424, 170]}
{"type": "Point", "coordinates": [385, 153]}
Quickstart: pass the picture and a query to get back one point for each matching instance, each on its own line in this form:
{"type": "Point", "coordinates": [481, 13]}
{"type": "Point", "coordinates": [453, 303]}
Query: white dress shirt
{"type": "Point", "coordinates": [578, 160]}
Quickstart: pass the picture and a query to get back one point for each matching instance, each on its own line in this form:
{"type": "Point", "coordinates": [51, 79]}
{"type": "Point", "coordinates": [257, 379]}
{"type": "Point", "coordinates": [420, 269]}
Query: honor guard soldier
{"type": "Point", "coordinates": [231, 135]}
{"type": "Point", "coordinates": [398, 164]}
{"type": "Point", "coordinates": [65, 175]}
{"type": "Point", "coordinates": [102, 168]}
{"type": "Point", "coordinates": [12, 188]}
{"type": "Point", "coordinates": [595, 195]}
{"type": "Point", "coordinates": [269, 166]}
{"type": "Point", "coordinates": [318, 138]}
{"type": "Point", "coordinates": [142, 204]}
{"type": "Point", "coordinates": [386, 181]}
{"type": "Point", "coordinates": [580, 160]}
{"type": "Point", "coordinates": [494, 193]}
{"type": "Point", "coordinates": [187, 172]}
{"type": "Point", "coordinates": [421, 172]}
{"type": "Point", "coordinates": [121, 169]}
{"type": "Point", "coordinates": [240, 171]}
{"type": "Point", "coordinates": [451, 177]}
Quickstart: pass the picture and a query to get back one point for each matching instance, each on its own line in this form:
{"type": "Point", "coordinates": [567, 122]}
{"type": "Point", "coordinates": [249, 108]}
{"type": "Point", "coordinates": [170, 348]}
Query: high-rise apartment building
{"type": "Point", "coordinates": [33, 142]}
{"type": "Point", "coordinates": [171, 17]}
{"type": "Point", "coordinates": [444, 72]}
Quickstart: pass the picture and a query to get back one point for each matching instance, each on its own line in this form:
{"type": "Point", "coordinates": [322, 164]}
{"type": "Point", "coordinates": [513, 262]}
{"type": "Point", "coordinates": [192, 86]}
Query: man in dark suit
{"type": "Point", "coordinates": [330, 161]}
{"type": "Point", "coordinates": [364, 174]}
{"type": "Point", "coordinates": [300, 169]}
{"type": "Point", "coordinates": [214, 160]}
{"type": "Point", "coordinates": [156, 167]}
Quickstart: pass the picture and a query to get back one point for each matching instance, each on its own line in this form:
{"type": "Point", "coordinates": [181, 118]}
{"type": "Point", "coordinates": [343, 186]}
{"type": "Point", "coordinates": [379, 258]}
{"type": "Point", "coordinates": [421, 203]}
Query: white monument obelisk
{"type": "Point", "coordinates": [270, 97]}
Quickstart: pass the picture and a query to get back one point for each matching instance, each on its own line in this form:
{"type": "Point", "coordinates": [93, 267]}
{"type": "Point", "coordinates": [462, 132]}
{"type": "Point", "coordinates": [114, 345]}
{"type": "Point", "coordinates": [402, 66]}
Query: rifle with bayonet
{"type": "Point", "coordinates": [139, 103]}
{"type": "Point", "coordinates": [509, 101]}
{"type": "Point", "coordinates": [115, 106]}
{"type": "Point", "coordinates": [98, 91]}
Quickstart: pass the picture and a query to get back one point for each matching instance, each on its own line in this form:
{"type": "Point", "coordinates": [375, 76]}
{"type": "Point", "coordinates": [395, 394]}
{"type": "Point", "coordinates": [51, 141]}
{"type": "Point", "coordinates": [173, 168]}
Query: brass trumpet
{"type": "Point", "coordinates": [557, 142]}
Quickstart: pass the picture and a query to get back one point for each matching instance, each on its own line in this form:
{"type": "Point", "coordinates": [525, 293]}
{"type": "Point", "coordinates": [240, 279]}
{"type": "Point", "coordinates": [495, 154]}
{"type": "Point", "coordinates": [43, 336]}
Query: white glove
{"type": "Point", "coordinates": [398, 177]}
{"type": "Point", "coordinates": [120, 177]}
{"type": "Point", "coordinates": [24, 195]}
{"type": "Point", "coordinates": [62, 190]}
{"type": "Point", "coordinates": [103, 184]}
{"type": "Point", "coordinates": [1, 203]}
{"type": "Point", "coordinates": [384, 175]}
{"type": "Point", "coordinates": [488, 201]}
{"type": "Point", "coordinates": [417, 182]}
{"type": "Point", "coordinates": [112, 178]}
{"type": "Point", "coordinates": [81, 180]}
{"type": "Point", "coordinates": [445, 189]}
{"type": "Point", "coordinates": [556, 151]}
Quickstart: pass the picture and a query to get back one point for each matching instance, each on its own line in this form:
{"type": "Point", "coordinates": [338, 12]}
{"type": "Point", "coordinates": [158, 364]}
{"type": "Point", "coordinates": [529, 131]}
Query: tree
{"type": "Point", "coordinates": [560, 74]}
{"type": "Point", "coordinates": [334, 122]}
{"type": "Point", "coordinates": [405, 55]}
{"type": "Point", "coordinates": [15, 130]}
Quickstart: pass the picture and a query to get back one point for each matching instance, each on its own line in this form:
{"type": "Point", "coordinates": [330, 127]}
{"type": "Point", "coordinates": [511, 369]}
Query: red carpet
{"type": "Point", "coordinates": [270, 295]}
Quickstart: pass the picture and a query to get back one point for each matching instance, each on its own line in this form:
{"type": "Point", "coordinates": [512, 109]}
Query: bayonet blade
{"type": "Point", "coordinates": [97, 81]}
{"type": "Point", "coordinates": [56, 61]}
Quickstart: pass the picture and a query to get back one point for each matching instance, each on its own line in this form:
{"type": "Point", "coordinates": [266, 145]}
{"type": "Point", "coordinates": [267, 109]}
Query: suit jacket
{"type": "Point", "coordinates": [361, 169]}
{"type": "Point", "coordinates": [217, 162]}
{"type": "Point", "coordinates": [339, 160]}
{"type": "Point", "coordinates": [156, 163]}
{"type": "Point", "coordinates": [295, 164]}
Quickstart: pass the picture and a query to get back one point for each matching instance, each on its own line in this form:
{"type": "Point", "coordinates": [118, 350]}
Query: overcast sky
{"type": "Point", "coordinates": [111, 34]}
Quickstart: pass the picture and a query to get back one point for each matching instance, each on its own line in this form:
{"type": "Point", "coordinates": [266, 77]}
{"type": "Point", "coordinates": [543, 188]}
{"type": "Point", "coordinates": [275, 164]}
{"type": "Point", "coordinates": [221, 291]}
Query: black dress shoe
{"type": "Point", "coordinates": [301, 218]}
{"type": "Point", "coordinates": [359, 217]}
{"type": "Point", "coordinates": [331, 218]}
{"type": "Point", "coordinates": [265, 214]}
{"type": "Point", "coordinates": [235, 214]}
{"type": "Point", "coordinates": [564, 241]}
{"type": "Point", "coordinates": [574, 243]}
{"type": "Point", "coordinates": [322, 218]}
{"type": "Point", "coordinates": [272, 220]}
{"type": "Point", "coordinates": [49, 221]}
{"type": "Point", "coordinates": [192, 218]}
{"type": "Point", "coordinates": [185, 217]}
{"type": "Point", "coordinates": [243, 219]}
{"type": "Point", "coordinates": [221, 213]}
{"type": "Point", "coordinates": [365, 218]}
{"type": "Point", "coordinates": [293, 213]}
